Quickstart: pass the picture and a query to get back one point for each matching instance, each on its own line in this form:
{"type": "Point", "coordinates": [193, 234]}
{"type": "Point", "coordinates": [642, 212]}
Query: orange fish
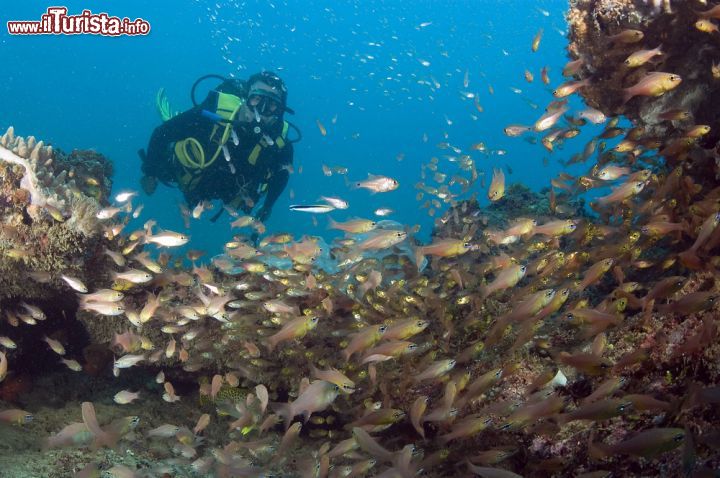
{"type": "Point", "coordinates": [295, 329]}
{"type": "Point", "coordinates": [656, 83]}
{"type": "Point", "coordinates": [536, 40]}
{"type": "Point", "coordinates": [442, 248]}
{"type": "Point", "coordinates": [320, 126]}
{"type": "Point", "coordinates": [506, 278]}
{"type": "Point", "coordinates": [497, 185]}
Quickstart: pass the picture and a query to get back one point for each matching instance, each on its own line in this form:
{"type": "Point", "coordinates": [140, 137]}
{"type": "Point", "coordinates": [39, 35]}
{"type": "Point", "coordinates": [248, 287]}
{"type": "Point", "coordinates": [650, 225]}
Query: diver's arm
{"type": "Point", "coordinates": [156, 163]}
{"type": "Point", "coordinates": [277, 182]}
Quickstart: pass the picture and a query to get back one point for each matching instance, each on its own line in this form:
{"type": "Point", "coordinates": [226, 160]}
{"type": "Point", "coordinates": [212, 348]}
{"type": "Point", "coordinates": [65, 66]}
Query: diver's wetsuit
{"type": "Point", "coordinates": [218, 181]}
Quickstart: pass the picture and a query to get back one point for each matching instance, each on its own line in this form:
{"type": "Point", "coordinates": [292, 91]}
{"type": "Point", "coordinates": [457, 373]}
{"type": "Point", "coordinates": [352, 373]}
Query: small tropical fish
{"type": "Point", "coordinates": [383, 239]}
{"type": "Point", "coordinates": [599, 410]}
{"type": "Point", "coordinates": [243, 221]}
{"type": "Point", "coordinates": [103, 308]}
{"type": "Point", "coordinates": [7, 342]}
{"type": "Point", "coordinates": [133, 275]}
{"type": "Point", "coordinates": [656, 83]}
{"type": "Point", "coordinates": [548, 120]}
{"type": "Point", "coordinates": [641, 57]}
{"type": "Point", "coordinates": [127, 361]}
{"type": "Point", "coordinates": [505, 279]}
{"type": "Point", "coordinates": [313, 208]}
{"type": "Point", "coordinates": [623, 192]}
{"type": "Point", "coordinates": [168, 239]}
{"type": "Point", "coordinates": [72, 364]}
{"type": "Point", "coordinates": [125, 195]}
{"type": "Point", "coordinates": [435, 370]}
{"type": "Point", "coordinates": [334, 376]}
{"type": "Point", "coordinates": [383, 211]}
{"type": "Point", "coordinates": [321, 127]}
{"type": "Point", "coordinates": [648, 443]}
{"type": "Point", "coordinates": [354, 226]}
{"type": "Point", "coordinates": [536, 40]}
{"type": "Point", "coordinates": [102, 295]}
{"type": "Point", "coordinates": [363, 340]}
{"type": "Point", "coordinates": [627, 36]}
{"type": "Point", "coordinates": [16, 416]}
{"type": "Point", "coordinates": [611, 172]}
{"type": "Point", "coordinates": [417, 410]}
{"type": "Point", "coordinates": [516, 130]}
{"type": "Point", "coordinates": [497, 185]}
{"type": "Point", "coordinates": [164, 431]}
{"type": "Point", "coordinates": [315, 398]}
{"type": "Point", "coordinates": [706, 26]}
{"type": "Point", "coordinates": [56, 346]}
{"type": "Point", "coordinates": [295, 329]}
{"type": "Point", "coordinates": [3, 366]}
{"type": "Point", "coordinates": [337, 203]}
{"type": "Point", "coordinates": [442, 248]}
{"type": "Point", "coordinates": [378, 184]}
{"type": "Point", "coordinates": [125, 396]}
{"type": "Point", "coordinates": [569, 88]}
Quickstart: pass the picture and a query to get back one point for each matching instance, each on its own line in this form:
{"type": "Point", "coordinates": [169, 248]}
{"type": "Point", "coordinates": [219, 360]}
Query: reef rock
{"type": "Point", "coordinates": [48, 203]}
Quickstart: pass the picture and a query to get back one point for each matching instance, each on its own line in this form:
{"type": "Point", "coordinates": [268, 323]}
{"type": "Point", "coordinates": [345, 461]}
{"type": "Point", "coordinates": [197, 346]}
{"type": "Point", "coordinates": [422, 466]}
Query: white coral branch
{"type": "Point", "coordinates": [29, 181]}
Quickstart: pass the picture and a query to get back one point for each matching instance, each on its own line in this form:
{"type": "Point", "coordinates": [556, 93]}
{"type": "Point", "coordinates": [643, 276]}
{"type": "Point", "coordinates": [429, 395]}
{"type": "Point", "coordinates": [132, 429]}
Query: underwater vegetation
{"type": "Point", "coordinates": [542, 335]}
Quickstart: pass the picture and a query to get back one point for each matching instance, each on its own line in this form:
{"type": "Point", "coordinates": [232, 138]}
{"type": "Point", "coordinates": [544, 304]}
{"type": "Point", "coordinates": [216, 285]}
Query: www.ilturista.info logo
{"type": "Point", "coordinates": [57, 22]}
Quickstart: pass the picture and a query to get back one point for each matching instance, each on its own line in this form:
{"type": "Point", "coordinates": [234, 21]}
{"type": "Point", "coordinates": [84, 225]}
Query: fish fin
{"type": "Point", "coordinates": [419, 256]}
{"type": "Point", "coordinates": [628, 94]}
{"type": "Point", "coordinates": [690, 259]}
{"type": "Point", "coordinates": [269, 344]}
{"type": "Point", "coordinates": [284, 411]}
{"type": "Point", "coordinates": [332, 224]}
{"type": "Point", "coordinates": [597, 450]}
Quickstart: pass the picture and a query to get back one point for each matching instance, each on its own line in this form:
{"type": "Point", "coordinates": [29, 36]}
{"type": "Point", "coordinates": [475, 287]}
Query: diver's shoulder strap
{"type": "Point", "coordinates": [280, 142]}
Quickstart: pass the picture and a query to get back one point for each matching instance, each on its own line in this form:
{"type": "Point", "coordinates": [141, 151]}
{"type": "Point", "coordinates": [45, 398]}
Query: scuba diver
{"type": "Point", "coordinates": [233, 146]}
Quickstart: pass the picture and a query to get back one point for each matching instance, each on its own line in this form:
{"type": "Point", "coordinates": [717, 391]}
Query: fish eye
{"type": "Point", "coordinates": [523, 268]}
{"type": "Point", "coordinates": [679, 437]}
{"type": "Point", "coordinates": [420, 323]}
{"type": "Point", "coordinates": [412, 346]}
{"type": "Point", "coordinates": [570, 316]}
{"type": "Point", "coordinates": [382, 329]}
{"type": "Point", "coordinates": [604, 365]}
{"type": "Point", "coordinates": [336, 388]}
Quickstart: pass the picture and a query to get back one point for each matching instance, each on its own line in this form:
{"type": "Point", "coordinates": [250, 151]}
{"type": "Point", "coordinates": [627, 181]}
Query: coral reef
{"type": "Point", "coordinates": [48, 202]}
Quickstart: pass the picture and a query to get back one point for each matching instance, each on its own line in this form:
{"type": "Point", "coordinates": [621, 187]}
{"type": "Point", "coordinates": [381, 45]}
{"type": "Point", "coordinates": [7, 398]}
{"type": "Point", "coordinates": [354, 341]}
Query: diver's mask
{"type": "Point", "coordinates": [265, 105]}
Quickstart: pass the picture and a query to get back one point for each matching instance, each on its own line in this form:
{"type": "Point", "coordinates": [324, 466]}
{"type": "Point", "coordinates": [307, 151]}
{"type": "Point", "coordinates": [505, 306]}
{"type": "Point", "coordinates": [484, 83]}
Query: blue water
{"type": "Point", "coordinates": [357, 61]}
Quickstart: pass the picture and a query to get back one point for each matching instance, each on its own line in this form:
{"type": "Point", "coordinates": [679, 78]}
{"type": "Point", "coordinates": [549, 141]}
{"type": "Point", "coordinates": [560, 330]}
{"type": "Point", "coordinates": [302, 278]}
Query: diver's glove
{"type": "Point", "coordinates": [149, 184]}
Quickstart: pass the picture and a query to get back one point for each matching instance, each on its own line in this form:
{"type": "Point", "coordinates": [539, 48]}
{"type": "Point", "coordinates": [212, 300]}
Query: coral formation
{"type": "Point", "coordinates": [547, 336]}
